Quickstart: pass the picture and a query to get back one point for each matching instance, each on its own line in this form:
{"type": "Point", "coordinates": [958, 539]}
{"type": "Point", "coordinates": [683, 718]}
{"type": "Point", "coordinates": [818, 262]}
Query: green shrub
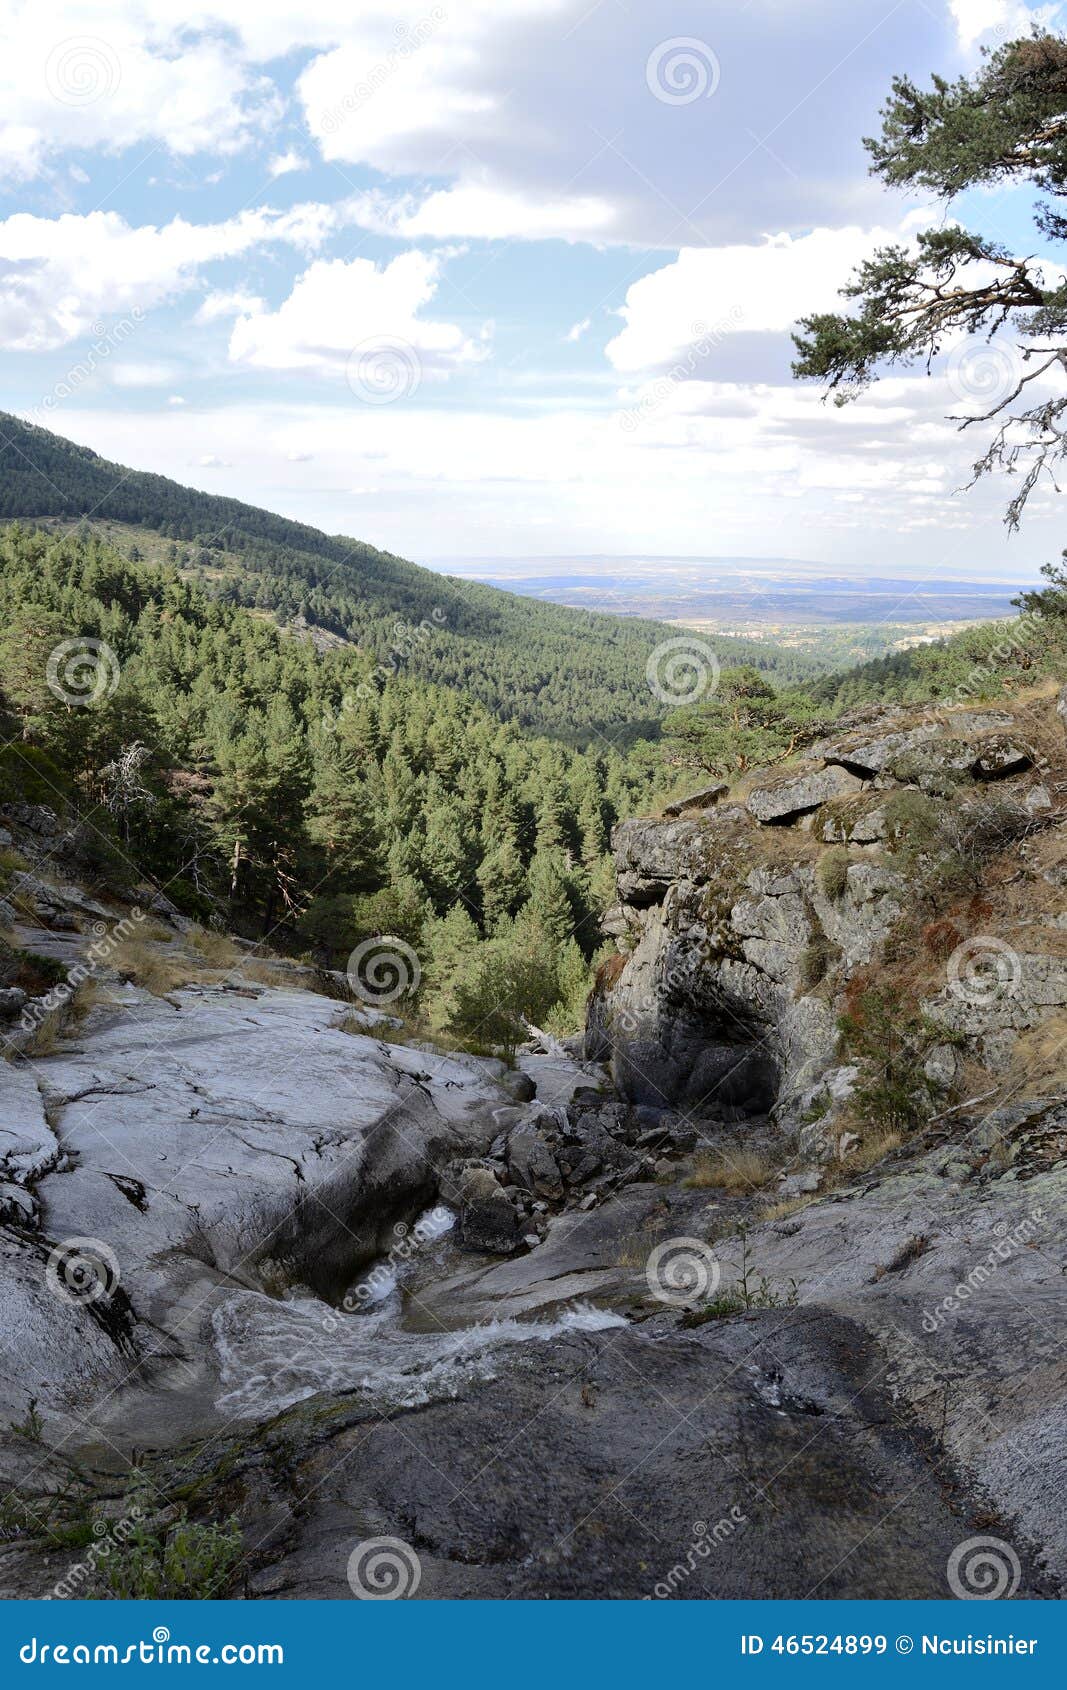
{"type": "Point", "coordinates": [887, 1035]}
{"type": "Point", "coordinates": [28, 775]}
{"type": "Point", "coordinates": [10, 865]}
{"type": "Point", "coordinates": [912, 817]}
{"type": "Point", "coordinates": [185, 1560]}
{"type": "Point", "coordinates": [831, 872]}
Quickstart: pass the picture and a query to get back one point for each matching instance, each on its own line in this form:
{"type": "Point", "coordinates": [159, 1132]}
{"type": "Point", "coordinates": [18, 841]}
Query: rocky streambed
{"type": "Point", "coordinates": [638, 1322]}
{"type": "Point", "coordinates": [304, 1332]}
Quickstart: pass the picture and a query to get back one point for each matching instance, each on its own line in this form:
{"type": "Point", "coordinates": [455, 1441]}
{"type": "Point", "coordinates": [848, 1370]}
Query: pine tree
{"type": "Point", "coordinates": [341, 821]}
{"type": "Point", "coordinates": [502, 881]}
{"type": "Point", "coordinates": [550, 895]}
{"type": "Point", "coordinates": [449, 942]}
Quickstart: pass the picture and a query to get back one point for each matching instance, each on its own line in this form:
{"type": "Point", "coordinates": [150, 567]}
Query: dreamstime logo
{"type": "Point", "coordinates": [681, 670]}
{"type": "Point", "coordinates": [986, 371]}
{"type": "Point", "coordinates": [984, 1569]}
{"type": "Point", "coordinates": [384, 1569]}
{"type": "Point", "coordinates": [82, 671]}
{"type": "Point", "coordinates": [82, 1270]}
{"type": "Point", "coordinates": [983, 969]}
{"type": "Point", "coordinates": [706, 1538]}
{"type": "Point", "coordinates": [409, 40]}
{"type": "Point", "coordinates": [682, 70]}
{"type": "Point", "coordinates": [82, 70]}
{"type": "Point", "coordinates": [682, 1270]}
{"type": "Point", "coordinates": [96, 956]}
{"type": "Point", "coordinates": [383, 969]}
{"type": "Point", "coordinates": [1008, 1243]}
{"type": "Point", "coordinates": [408, 638]}
{"type": "Point", "coordinates": [383, 369]}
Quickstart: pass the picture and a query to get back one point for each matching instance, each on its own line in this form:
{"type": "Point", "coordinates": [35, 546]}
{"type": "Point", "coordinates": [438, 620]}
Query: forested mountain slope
{"type": "Point", "coordinates": [571, 673]}
{"type": "Point", "coordinates": [273, 787]}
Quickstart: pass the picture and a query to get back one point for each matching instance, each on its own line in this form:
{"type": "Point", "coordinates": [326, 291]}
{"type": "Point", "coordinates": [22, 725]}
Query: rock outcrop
{"type": "Point", "coordinates": [187, 1145]}
{"type": "Point", "coordinates": [741, 927]}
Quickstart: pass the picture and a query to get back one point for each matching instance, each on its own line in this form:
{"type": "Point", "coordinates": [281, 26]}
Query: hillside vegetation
{"type": "Point", "coordinates": [314, 782]}
{"type": "Point", "coordinates": [570, 673]}
{"type": "Point", "coordinates": [274, 788]}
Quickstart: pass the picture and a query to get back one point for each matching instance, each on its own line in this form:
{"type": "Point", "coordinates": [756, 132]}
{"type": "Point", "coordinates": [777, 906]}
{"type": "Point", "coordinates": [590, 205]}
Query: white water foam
{"type": "Point", "coordinates": [272, 1354]}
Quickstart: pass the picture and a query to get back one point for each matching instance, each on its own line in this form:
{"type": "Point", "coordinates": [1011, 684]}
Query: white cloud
{"type": "Point", "coordinates": [143, 375]}
{"type": "Point", "coordinates": [336, 307]}
{"type": "Point", "coordinates": [284, 163]}
{"type": "Point", "coordinates": [221, 304]}
{"type": "Point", "coordinates": [115, 75]}
{"type": "Point", "coordinates": [527, 112]}
{"type": "Point", "coordinates": [708, 293]}
{"type": "Point", "coordinates": [539, 117]}
{"type": "Point", "coordinates": [59, 276]}
{"type": "Point", "coordinates": [975, 18]}
{"type": "Point", "coordinates": [474, 211]}
{"type": "Point", "coordinates": [576, 330]}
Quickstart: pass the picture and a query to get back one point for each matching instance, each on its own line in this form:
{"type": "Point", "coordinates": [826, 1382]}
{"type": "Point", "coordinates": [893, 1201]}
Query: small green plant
{"type": "Point", "coordinates": [17, 1519]}
{"type": "Point", "coordinates": [746, 1294]}
{"type": "Point", "coordinates": [831, 873]}
{"type": "Point", "coordinates": [32, 1426]}
{"type": "Point", "coordinates": [184, 1560]}
{"type": "Point", "coordinates": [815, 962]}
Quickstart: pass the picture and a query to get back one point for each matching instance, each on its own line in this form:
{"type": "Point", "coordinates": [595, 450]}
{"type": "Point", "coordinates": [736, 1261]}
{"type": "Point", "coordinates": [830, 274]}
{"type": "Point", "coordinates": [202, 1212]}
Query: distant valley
{"type": "Point", "coordinates": [832, 618]}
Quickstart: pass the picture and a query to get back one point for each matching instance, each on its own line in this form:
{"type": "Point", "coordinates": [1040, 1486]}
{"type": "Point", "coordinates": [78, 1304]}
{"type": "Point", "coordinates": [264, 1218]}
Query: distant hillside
{"type": "Point", "coordinates": [570, 673]}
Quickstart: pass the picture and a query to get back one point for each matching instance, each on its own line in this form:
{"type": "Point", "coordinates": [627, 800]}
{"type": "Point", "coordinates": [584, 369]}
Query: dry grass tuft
{"type": "Point", "coordinates": [44, 1040]}
{"type": "Point", "coordinates": [869, 1150]}
{"type": "Point", "coordinates": [87, 994]}
{"type": "Point", "coordinates": [155, 971]}
{"type": "Point", "coordinates": [733, 1171]}
{"type": "Point", "coordinates": [215, 948]}
{"type": "Point", "coordinates": [789, 1206]}
{"type": "Point", "coordinates": [831, 873]}
{"type": "Point", "coordinates": [157, 930]}
{"type": "Point", "coordinates": [265, 974]}
{"type": "Point", "coordinates": [1040, 1055]}
{"type": "Point", "coordinates": [635, 1249]}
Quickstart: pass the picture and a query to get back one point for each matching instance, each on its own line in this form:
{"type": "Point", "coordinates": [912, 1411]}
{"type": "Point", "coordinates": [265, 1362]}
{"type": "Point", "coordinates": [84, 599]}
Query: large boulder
{"type": "Point", "coordinates": [533, 1166]}
{"type": "Point", "coordinates": [488, 1219]}
{"type": "Point", "coordinates": [201, 1141]}
{"type": "Point", "coordinates": [785, 801]}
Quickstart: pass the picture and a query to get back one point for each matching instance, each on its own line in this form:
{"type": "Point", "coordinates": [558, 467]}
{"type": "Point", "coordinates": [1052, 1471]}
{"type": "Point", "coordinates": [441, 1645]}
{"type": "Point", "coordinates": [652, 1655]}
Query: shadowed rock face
{"type": "Point", "coordinates": [757, 1460]}
{"type": "Point", "coordinates": [728, 928]}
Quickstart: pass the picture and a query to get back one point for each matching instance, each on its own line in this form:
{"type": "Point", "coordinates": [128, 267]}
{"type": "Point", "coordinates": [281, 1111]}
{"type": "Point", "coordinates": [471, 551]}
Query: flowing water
{"type": "Point", "coordinates": [375, 1344]}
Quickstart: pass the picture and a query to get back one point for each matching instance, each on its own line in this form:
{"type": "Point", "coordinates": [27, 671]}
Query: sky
{"type": "Point", "coordinates": [493, 277]}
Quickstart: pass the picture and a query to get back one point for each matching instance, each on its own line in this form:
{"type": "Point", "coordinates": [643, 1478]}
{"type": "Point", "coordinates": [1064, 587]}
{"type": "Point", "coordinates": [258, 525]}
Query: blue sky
{"type": "Point", "coordinates": [491, 276]}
